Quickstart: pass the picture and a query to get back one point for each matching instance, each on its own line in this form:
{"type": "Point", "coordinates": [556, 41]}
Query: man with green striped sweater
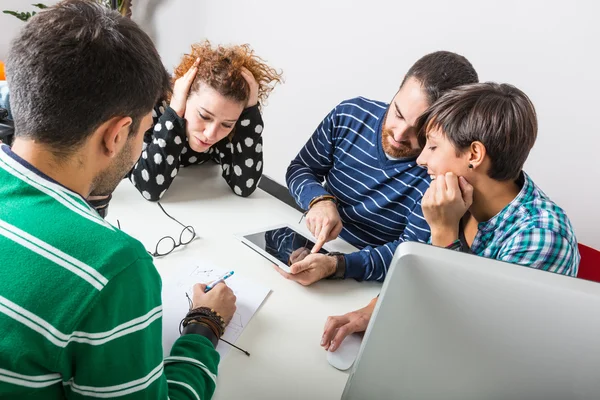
{"type": "Point", "coordinates": [80, 301]}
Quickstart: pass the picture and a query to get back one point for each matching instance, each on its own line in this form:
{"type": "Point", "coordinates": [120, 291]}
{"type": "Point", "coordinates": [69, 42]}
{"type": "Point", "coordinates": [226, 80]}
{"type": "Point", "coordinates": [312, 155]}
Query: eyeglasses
{"type": "Point", "coordinates": [167, 244]}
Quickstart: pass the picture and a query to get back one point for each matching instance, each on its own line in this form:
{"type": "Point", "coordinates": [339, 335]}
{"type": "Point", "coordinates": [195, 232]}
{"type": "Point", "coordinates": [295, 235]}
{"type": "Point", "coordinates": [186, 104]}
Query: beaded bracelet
{"type": "Point", "coordinates": [211, 319]}
{"type": "Point", "coordinates": [324, 197]}
{"type": "Point", "coordinates": [207, 316]}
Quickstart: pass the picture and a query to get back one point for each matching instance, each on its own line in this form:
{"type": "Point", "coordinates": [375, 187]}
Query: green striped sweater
{"type": "Point", "coordinates": [80, 303]}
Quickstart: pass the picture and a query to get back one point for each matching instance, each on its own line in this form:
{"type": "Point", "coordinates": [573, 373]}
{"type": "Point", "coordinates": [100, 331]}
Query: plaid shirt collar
{"type": "Point", "coordinates": [525, 194]}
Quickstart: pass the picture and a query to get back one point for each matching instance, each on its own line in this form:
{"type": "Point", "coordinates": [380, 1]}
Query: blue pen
{"type": "Point", "coordinates": [215, 283]}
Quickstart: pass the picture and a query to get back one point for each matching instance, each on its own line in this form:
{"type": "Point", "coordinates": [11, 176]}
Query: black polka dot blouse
{"type": "Point", "coordinates": [166, 150]}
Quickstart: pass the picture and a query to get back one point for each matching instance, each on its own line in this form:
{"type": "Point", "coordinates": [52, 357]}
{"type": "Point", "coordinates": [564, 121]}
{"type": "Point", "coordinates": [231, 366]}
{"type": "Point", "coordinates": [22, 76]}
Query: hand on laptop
{"type": "Point", "coordinates": [337, 328]}
{"type": "Point", "coordinates": [310, 269]}
{"type": "Point", "coordinates": [444, 204]}
{"type": "Point", "coordinates": [220, 298]}
{"type": "Point", "coordinates": [324, 222]}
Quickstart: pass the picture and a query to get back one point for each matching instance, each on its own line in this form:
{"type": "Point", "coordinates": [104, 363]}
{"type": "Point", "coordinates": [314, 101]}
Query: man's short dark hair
{"type": "Point", "coordinates": [76, 65]}
{"type": "Point", "coordinates": [441, 71]}
{"type": "Point", "coordinates": [500, 116]}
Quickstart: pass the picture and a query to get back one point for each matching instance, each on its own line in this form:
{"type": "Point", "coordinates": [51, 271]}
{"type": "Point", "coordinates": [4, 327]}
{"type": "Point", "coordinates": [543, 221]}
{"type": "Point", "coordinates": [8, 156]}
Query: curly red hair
{"type": "Point", "coordinates": [220, 68]}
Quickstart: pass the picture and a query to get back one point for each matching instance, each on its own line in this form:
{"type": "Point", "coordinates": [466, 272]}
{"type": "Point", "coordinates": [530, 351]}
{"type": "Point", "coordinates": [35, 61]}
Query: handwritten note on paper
{"type": "Point", "coordinates": [175, 304]}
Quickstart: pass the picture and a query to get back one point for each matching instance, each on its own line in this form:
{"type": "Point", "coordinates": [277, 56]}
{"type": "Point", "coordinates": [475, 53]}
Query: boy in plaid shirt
{"type": "Point", "coordinates": [475, 141]}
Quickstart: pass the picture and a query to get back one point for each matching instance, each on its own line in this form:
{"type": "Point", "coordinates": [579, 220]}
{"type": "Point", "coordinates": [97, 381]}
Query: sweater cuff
{"type": "Point", "coordinates": [354, 266]}
{"type": "Point", "coordinates": [250, 111]}
{"type": "Point", "coordinates": [171, 115]}
{"type": "Point", "coordinates": [253, 126]}
{"type": "Point", "coordinates": [311, 190]}
{"type": "Point", "coordinates": [202, 330]}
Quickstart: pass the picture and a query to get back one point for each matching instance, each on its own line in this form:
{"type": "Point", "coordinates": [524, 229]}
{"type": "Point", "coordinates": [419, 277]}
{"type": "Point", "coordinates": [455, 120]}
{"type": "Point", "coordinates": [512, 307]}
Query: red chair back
{"type": "Point", "coordinates": [589, 267]}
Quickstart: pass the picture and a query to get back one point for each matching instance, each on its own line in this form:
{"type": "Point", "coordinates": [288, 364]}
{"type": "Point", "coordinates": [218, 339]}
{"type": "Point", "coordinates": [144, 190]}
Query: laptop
{"type": "Point", "coordinates": [450, 325]}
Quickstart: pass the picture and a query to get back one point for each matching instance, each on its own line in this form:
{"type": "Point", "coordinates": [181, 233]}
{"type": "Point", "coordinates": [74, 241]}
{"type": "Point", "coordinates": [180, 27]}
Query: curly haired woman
{"type": "Point", "coordinates": [213, 114]}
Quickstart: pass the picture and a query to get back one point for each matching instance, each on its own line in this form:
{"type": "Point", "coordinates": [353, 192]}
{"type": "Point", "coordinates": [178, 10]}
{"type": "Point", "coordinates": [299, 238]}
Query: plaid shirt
{"type": "Point", "coordinates": [530, 231]}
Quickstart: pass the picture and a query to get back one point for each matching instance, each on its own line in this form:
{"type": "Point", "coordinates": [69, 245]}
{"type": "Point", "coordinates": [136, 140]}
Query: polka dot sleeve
{"type": "Point", "coordinates": [159, 163]}
{"type": "Point", "coordinates": [241, 158]}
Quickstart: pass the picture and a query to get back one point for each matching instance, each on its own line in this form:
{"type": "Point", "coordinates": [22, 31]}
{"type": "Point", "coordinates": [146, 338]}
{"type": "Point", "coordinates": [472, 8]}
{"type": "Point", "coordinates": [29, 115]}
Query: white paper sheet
{"type": "Point", "coordinates": [175, 304]}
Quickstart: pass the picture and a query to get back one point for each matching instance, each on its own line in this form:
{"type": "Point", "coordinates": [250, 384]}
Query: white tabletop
{"type": "Point", "coordinates": [283, 337]}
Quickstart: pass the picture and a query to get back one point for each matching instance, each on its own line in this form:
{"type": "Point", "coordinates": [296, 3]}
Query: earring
{"type": "Point", "coordinates": [471, 166]}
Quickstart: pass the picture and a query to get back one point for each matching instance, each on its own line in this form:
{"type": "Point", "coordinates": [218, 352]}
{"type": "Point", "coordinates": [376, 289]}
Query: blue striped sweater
{"type": "Point", "coordinates": [379, 199]}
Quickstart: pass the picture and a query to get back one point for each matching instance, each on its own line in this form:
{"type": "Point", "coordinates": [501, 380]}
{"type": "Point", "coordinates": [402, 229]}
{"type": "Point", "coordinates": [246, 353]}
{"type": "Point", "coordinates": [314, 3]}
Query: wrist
{"type": "Point", "coordinates": [443, 236]}
{"type": "Point", "coordinates": [323, 201]}
{"type": "Point", "coordinates": [371, 306]}
{"type": "Point", "coordinates": [177, 111]}
{"type": "Point", "coordinates": [252, 111]}
{"type": "Point", "coordinates": [175, 116]}
{"type": "Point", "coordinates": [369, 309]}
{"type": "Point", "coordinates": [198, 327]}
{"type": "Point", "coordinates": [337, 269]}
{"type": "Point", "coordinates": [206, 316]}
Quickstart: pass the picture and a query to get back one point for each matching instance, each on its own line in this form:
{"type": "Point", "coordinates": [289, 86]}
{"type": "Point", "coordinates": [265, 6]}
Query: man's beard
{"type": "Point", "coordinates": [406, 150]}
{"type": "Point", "coordinates": [106, 182]}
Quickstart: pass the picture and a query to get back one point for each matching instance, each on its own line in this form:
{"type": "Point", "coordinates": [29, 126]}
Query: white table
{"type": "Point", "coordinates": [283, 338]}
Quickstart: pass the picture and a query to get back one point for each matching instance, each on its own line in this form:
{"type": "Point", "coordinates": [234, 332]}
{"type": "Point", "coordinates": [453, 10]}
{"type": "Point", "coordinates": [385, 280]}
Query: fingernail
{"type": "Point", "coordinates": [323, 342]}
{"type": "Point", "coordinates": [333, 347]}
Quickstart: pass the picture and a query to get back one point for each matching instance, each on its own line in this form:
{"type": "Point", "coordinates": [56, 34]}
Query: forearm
{"type": "Point", "coordinates": [370, 308]}
{"type": "Point", "coordinates": [304, 184]}
{"type": "Point", "coordinates": [122, 354]}
{"type": "Point", "coordinates": [159, 164]}
{"type": "Point", "coordinates": [370, 263]}
{"type": "Point", "coordinates": [373, 263]}
{"type": "Point", "coordinates": [306, 173]}
{"type": "Point", "coordinates": [241, 158]}
{"type": "Point", "coordinates": [191, 368]}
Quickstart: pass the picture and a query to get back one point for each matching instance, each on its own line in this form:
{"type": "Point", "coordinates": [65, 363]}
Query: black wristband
{"type": "Point", "coordinates": [340, 265]}
{"type": "Point", "coordinates": [325, 197]}
{"type": "Point", "coordinates": [199, 328]}
{"type": "Point", "coordinates": [207, 313]}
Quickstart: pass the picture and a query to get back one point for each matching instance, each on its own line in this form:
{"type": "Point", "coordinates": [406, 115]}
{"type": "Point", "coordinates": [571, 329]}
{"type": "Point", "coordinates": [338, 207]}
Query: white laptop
{"type": "Point", "coordinates": [450, 325]}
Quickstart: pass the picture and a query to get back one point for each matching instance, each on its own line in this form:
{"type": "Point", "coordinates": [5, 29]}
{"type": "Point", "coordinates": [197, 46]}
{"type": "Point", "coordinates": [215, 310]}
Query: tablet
{"type": "Point", "coordinates": [280, 244]}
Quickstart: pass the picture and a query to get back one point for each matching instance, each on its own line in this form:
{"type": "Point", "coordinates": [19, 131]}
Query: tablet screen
{"type": "Point", "coordinates": [285, 244]}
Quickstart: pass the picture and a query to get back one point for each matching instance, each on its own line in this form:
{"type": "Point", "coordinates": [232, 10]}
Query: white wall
{"type": "Point", "coordinates": [331, 50]}
{"type": "Point", "coordinates": [335, 49]}
{"type": "Point", "coordinates": [9, 25]}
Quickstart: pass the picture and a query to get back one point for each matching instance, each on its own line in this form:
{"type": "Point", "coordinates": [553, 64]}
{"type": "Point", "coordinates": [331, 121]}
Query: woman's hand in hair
{"type": "Point", "coordinates": [181, 89]}
{"type": "Point", "coordinates": [253, 98]}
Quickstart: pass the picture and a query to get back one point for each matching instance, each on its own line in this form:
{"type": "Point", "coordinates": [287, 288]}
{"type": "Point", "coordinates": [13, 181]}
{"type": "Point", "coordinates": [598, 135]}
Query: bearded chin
{"type": "Point", "coordinates": [102, 187]}
{"type": "Point", "coordinates": [405, 150]}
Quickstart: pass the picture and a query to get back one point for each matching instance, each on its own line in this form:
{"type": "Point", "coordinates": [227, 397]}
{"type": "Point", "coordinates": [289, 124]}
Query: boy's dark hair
{"type": "Point", "coordinates": [441, 71]}
{"type": "Point", "coordinates": [500, 116]}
